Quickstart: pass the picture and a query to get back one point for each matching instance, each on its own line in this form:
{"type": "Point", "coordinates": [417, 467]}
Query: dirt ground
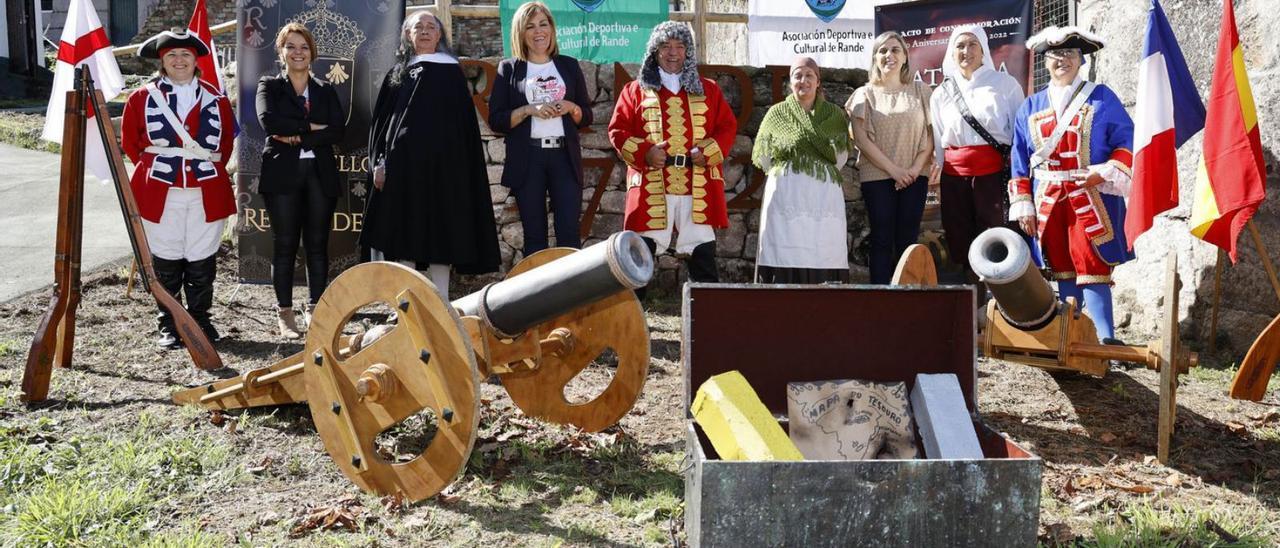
{"type": "Point", "coordinates": [261, 477]}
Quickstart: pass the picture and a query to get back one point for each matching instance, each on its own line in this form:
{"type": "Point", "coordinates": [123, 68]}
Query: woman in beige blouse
{"type": "Point", "coordinates": [889, 121]}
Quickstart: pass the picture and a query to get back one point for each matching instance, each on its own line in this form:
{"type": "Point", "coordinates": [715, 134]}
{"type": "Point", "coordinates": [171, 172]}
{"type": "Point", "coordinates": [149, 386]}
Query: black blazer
{"type": "Point", "coordinates": [283, 112]}
{"type": "Point", "coordinates": [506, 97]}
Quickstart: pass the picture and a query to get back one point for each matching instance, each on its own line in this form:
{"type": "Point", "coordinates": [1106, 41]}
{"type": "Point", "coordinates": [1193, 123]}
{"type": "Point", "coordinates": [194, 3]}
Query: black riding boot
{"type": "Point", "coordinates": [169, 273]}
{"type": "Point", "coordinates": [702, 264]}
{"type": "Point", "coordinates": [199, 288]}
{"type": "Point", "coordinates": [653, 251]}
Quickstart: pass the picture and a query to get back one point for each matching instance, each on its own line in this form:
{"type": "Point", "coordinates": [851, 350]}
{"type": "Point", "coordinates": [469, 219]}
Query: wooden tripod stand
{"type": "Point", "coordinates": [55, 336]}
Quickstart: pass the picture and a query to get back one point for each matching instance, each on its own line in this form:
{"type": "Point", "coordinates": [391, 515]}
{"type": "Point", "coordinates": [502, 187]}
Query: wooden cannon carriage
{"type": "Point", "coordinates": [557, 312]}
{"type": "Point", "coordinates": [1025, 322]}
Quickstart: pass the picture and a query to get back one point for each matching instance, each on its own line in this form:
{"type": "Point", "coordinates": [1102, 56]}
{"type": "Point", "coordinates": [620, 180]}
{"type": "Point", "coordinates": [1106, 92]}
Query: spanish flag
{"type": "Point", "coordinates": [1229, 183]}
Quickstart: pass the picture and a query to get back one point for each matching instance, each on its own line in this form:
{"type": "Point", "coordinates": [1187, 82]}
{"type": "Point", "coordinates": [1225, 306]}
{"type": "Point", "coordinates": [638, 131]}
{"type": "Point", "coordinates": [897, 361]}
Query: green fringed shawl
{"type": "Point", "coordinates": [807, 143]}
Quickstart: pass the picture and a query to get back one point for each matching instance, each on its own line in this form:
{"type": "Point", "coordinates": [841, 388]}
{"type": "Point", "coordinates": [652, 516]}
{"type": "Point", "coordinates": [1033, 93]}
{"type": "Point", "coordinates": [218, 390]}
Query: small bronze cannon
{"type": "Point", "coordinates": [1027, 324]}
{"type": "Point", "coordinates": [558, 310]}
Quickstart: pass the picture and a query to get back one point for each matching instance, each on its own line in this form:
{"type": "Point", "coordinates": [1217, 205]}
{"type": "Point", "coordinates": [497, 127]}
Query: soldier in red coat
{"type": "Point", "coordinates": [178, 131]}
{"type": "Point", "coordinates": [674, 130]}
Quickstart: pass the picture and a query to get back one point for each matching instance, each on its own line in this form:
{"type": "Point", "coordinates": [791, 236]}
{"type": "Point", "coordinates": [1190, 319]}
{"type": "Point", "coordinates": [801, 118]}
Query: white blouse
{"type": "Point", "coordinates": [993, 98]}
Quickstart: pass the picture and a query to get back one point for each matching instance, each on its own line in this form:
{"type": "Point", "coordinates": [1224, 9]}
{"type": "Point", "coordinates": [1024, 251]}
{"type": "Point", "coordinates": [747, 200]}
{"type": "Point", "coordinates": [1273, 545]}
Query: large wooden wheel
{"type": "Point", "coordinates": [616, 322]}
{"type": "Point", "coordinates": [426, 361]}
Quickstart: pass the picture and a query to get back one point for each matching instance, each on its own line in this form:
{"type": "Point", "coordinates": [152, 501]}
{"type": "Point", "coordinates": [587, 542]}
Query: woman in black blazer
{"type": "Point", "coordinates": [540, 101]}
{"type": "Point", "coordinates": [299, 179]}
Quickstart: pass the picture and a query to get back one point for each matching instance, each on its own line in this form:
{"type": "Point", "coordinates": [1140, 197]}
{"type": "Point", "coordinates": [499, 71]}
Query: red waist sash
{"type": "Point", "coordinates": [971, 161]}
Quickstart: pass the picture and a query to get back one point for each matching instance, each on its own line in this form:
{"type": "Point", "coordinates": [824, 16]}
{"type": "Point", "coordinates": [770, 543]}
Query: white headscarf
{"type": "Point", "coordinates": [950, 68]}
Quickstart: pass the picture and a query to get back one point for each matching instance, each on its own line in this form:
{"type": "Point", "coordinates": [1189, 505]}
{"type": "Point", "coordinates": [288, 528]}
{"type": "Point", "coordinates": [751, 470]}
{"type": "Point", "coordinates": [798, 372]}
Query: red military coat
{"type": "Point", "coordinates": [643, 118]}
{"type": "Point", "coordinates": [145, 132]}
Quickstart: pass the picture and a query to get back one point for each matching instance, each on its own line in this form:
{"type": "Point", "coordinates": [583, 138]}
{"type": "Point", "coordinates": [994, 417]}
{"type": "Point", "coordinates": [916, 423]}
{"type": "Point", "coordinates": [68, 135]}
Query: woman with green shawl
{"type": "Point", "coordinates": [802, 144]}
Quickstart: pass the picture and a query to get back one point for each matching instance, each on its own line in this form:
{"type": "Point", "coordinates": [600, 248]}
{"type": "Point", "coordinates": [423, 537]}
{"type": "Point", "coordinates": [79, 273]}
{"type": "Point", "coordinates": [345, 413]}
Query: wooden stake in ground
{"type": "Point", "coordinates": [55, 336]}
{"type": "Point", "coordinates": [1266, 257]}
{"type": "Point", "coordinates": [1217, 297]}
{"type": "Point", "coordinates": [128, 285]}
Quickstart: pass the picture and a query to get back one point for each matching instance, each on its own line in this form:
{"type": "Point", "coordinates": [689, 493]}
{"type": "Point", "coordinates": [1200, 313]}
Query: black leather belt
{"type": "Point", "coordinates": [678, 160]}
{"type": "Point", "coordinates": [547, 142]}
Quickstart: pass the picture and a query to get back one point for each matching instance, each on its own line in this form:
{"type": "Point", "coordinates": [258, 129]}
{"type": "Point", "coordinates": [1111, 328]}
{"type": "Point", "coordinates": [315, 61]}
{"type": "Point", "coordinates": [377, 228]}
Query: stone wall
{"type": "Point", "coordinates": [1247, 299]}
{"type": "Point", "coordinates": [736, 244]}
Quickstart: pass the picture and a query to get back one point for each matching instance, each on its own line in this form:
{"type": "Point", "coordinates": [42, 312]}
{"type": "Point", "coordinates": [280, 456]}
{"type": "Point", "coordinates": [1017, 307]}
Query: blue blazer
{"type": "Point", "coordinates": [507, 97]}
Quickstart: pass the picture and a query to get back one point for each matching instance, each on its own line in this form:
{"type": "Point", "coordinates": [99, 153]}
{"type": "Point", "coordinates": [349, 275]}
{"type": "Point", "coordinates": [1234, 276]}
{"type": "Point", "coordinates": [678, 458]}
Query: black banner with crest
{"type": "Point", "coordinates": [356, 43]}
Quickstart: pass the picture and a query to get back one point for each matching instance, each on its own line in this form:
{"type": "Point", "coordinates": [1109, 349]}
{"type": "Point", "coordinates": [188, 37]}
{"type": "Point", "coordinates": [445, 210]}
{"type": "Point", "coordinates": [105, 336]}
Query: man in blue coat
{"type": "Point", "coordinates": [1071, 172]}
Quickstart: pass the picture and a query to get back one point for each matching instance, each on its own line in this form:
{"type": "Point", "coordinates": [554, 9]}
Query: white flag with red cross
{"type": "Point", "coordinates": [84, 43]}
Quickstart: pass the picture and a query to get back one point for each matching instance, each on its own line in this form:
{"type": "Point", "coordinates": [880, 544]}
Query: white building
{"type": "Point", "coordinates": [20, 24]}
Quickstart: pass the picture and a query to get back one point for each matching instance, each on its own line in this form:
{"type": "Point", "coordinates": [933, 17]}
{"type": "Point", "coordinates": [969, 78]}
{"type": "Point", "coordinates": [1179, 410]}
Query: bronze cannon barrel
{"type": "Point", "coordinates": [512, 306]}
{"type": "Point", "coordinates": [1002, 259]}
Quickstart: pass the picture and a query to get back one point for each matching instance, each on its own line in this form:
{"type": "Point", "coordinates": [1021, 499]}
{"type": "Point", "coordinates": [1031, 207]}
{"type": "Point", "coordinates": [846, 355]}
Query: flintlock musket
{"type": "Point", "coordinates": [55, 335]}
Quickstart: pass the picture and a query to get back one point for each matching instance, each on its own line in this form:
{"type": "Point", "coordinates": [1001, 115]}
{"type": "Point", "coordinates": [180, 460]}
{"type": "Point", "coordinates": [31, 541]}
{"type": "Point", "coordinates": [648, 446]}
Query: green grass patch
{"type": "Point", "coordinates": [59, 489]}
{"type": "Point", "coordinates": [1142, 524]}
{"type": "Point", "coordinates": [23, 130]}
{"type": "Point", "coordinates": [9, 348]}
{"type": "Point", "coordinates": [21, 102]}
{"type": "Point", "coordinates": [1223, 374]}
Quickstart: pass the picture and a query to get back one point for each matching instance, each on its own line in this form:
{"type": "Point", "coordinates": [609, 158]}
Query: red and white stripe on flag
{"type": "Point", "coordinates": [210, 71]}
{"type": "Point", "coordinates": [83, 43]}
{"type": "Point", "coordinates": [1155, 159]}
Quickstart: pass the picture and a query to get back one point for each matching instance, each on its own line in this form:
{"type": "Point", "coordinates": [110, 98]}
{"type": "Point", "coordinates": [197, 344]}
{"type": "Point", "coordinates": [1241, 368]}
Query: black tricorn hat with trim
{"type": "Point", "coordinates": [172, 39]}
{"type": "Point", "coordinates": [1053, 38]}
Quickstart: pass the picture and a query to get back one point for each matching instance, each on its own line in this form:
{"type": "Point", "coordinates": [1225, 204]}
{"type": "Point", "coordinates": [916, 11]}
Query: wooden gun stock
{"type": "Point", "coordinates": [1259, 363]}
{"type": "Point", "coordinates": [56, 332]}
{"type": "Point", "coordinates": [198, 345]}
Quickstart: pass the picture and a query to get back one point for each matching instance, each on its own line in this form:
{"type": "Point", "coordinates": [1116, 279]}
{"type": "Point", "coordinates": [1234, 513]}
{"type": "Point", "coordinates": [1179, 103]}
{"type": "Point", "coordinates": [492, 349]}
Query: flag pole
{"type": "Point", "coordinates": [1266, 257]}
{"type": "Point", "coordinates": [1217, 299]}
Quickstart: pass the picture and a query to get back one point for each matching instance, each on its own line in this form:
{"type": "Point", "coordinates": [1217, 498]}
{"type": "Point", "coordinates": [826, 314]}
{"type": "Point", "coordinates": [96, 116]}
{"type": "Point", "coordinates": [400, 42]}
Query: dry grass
{"type": "Point", "coordinates": [109, 461]}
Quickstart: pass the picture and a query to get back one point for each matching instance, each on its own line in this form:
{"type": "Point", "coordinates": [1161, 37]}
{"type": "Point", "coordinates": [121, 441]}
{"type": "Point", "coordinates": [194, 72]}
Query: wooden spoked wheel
{"type": "Point", "coordinates": [615, 322]}
{"type": "Point", "coordinates": [424, 362]}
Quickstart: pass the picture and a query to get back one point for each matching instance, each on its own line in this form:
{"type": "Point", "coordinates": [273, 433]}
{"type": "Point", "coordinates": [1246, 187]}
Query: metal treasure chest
{"type": "Point", "coordinates": [774, 335]}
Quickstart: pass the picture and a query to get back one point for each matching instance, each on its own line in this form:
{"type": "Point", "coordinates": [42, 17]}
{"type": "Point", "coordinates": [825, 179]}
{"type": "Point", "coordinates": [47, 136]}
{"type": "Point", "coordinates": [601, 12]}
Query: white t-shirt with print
{"type": "Point", "coordinates": [543, 84]}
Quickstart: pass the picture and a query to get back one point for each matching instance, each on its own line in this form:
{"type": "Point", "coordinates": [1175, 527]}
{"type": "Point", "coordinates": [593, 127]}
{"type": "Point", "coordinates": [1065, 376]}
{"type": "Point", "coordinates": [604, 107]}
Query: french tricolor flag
{"type": "Point", "coordinates": [1168, 112]}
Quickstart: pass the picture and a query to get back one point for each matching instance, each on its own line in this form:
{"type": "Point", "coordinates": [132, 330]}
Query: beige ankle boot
{"type": "Point", "coordinates": [288, 324]}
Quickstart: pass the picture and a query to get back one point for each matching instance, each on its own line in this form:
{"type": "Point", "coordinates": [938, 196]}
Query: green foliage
{"type": "Point", "coordinates": [23, 130]}
{"type": "Point", "coordinates": [101, 490]}
{"type": "Point", "coordinates": [1142, 524]}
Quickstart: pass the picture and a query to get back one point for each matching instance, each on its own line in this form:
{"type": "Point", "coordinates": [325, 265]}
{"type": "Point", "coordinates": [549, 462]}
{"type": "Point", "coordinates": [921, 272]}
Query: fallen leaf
{"type": "Point", "coordinates": [1149, 460]}
{"type": "Point", "coordinates": [1264, 418]}
{"type": "Point", "coordinates": [1136, 488]}
{"type": "Point", "coordinates": [261, 466]}
{"type": "Point", "coordinates": [1107, 437]}
{"type": "Point", "coordinates": [1090, 482]}
{"type": "Point", "coordinates": [341, 514]}
{"type": "Point", "coordinates": [393, 503]}
{"type": "Point", "coordinates": [1174, 480]}
{"type": "Point", "coordinates": [1236, 427]}
{"type": "Point", "coordinates": [1058, 534]}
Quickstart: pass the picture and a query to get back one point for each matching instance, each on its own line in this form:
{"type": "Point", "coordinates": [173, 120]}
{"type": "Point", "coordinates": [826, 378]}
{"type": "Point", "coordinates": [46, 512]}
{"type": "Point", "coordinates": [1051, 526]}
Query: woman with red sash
{"type": "Point", "coordinates": [973, 113]}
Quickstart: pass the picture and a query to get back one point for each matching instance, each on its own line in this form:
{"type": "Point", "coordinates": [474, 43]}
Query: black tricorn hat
{"type": "Point", "coordinates": [1053, 38]}
{"type": "Point", "coordinates": [172, 39]}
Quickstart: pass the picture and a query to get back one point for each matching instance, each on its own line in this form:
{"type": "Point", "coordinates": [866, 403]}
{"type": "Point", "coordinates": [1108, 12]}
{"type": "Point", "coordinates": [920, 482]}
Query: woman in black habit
{"type": "Point", "coordinates": [430, 207]}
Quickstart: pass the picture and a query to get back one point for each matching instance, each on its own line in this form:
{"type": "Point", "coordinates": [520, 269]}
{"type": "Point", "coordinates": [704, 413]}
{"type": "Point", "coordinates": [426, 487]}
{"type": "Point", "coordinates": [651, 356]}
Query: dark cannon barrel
{"type": "Point", "coordinates": [1001, 259]}
{"type": "Point", "coordinates": [512, 306]}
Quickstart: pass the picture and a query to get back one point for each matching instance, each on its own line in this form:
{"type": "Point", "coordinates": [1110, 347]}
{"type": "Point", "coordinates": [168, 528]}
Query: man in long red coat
{"type": "Point", "coordinates": [674, 130]}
